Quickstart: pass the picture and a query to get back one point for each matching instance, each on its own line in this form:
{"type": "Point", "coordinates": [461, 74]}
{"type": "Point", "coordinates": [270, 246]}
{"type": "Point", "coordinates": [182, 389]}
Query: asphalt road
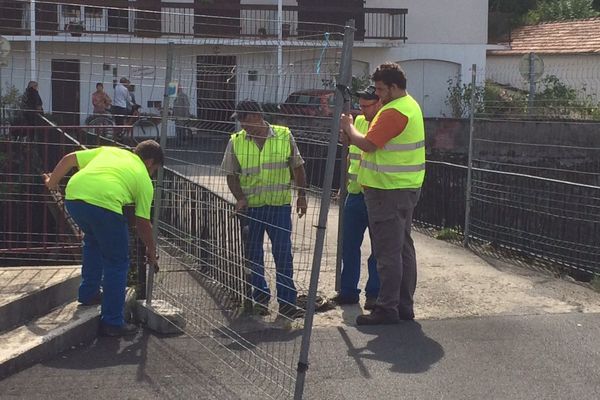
{"type": "Point", "coordinates": [511, 357]}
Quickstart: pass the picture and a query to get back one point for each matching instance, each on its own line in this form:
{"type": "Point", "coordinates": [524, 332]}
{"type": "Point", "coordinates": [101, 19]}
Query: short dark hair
{"type": "Point", "coordinates": [246, 107]}
{"type": "Point", "coordinates": [390, 73]}
{"type": "Point", "coordinates": [150, 150]}
{"type": "Point", "coordinates": [99, 84]}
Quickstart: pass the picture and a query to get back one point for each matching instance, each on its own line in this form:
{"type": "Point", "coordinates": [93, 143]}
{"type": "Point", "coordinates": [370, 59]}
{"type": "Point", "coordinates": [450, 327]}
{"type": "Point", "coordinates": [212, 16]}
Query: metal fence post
{"type": "Point", "coordinates": [532, 78]}
{"type": "Point", "coordinates": [160, 177]}
{"type": "Point", "coordinates": [470, 160]}
{"type": "Point", "coordinates": [343, 83]}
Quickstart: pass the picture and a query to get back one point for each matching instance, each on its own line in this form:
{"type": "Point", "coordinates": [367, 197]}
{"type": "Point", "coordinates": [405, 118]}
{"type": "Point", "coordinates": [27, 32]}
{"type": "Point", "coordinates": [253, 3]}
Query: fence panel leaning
{"type": "Point", "coordinates": [241, 196]}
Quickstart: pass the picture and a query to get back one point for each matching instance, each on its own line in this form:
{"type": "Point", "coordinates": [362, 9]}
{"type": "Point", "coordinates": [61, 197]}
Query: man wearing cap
{"type": "Point", "coordinates": [391, 172]}
{"type": "Point", "coordinates": [259, 162]}
{"type": "Point", "coordinates": [355, 216]}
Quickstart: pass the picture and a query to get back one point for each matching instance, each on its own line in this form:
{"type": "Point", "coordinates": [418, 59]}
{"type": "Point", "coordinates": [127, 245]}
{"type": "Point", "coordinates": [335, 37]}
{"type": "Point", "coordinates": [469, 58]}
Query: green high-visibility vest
{"type": "Point", "coordinates": [361, 124]}
{"type": "Point", "coordinates": [401, 163]}
{"type": "Point", "coordinates": [265, 177]}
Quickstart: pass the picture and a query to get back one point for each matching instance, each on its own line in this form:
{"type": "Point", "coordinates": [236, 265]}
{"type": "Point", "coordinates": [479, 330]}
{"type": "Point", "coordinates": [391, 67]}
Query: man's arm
{"type": "Point", "coordinates": [300, 180]}
{"type": "Point", "coordinates": [233, 182]}
{"type": "Point", "coordinates": [144, 231]}
{"type": "Point", "coordinates": [67, 163]}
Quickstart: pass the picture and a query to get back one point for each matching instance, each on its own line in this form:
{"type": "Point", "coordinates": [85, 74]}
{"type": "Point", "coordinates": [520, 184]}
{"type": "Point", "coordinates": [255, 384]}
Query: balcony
{"type": "Point", "coordinates": [227, 20]}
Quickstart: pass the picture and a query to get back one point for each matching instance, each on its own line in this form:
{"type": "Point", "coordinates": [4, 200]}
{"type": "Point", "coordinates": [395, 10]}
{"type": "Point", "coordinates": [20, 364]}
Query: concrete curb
{"type": "Point", "coordinates": [41, 300]}
{"type": "Point", "coordinates": [47, 336]}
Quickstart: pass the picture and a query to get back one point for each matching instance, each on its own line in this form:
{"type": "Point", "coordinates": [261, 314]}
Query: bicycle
{"type": "Point", "coordinates": [141, 127]}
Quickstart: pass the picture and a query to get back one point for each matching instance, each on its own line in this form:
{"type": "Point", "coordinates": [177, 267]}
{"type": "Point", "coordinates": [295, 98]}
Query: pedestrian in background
{"type": "Point", "coordinates": [101, 100]}
{"type": "Point", "coordinates": [391, 171]}
{"type": "Point", "coordinates": [181, 112]}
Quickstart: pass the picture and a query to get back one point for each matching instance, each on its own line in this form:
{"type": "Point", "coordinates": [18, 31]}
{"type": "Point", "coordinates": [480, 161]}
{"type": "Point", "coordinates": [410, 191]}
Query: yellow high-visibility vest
{"type": "Point", "coordinates": [401, 163]}
{"type": "Point", "coordinates": [361, 125]}
{"type": "Point", "coordinates": [265, 177]}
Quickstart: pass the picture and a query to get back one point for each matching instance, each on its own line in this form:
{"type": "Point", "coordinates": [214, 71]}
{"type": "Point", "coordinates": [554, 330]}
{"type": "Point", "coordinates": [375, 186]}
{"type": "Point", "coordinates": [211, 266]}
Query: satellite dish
{"type": "Point", "coordinates": [4, 51]}
{"type": "Point", "coordinates": [525, 67]}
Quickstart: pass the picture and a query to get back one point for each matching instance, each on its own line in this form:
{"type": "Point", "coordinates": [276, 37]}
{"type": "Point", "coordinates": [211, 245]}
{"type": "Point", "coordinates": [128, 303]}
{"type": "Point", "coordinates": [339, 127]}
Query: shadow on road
{"type": "Point", "coordinates": [405, 347]}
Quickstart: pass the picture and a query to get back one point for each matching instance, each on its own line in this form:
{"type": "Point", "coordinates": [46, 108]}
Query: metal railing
{"type": "Point", "coordinates": [211, 21]}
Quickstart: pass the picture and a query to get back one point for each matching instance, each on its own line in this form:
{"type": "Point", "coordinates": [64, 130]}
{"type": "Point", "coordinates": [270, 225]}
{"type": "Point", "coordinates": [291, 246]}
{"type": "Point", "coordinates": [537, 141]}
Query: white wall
{"type": "Point", "coordinates": [435, 21]}
{"type": "Point", "coordinates": [580, 72]}
{"type": "Point", "coordinates": [439, 63]}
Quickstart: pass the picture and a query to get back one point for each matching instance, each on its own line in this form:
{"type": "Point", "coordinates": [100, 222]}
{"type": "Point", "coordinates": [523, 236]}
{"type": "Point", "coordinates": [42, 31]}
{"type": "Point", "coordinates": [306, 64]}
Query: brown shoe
{"type": "Point", "coordinates": [370, 303]}
{"type": "Point", "coordinates": [378, 316]}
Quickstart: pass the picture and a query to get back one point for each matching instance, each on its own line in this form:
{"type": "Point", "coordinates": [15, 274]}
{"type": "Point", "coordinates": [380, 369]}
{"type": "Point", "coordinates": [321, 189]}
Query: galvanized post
{"type": "Point", "coordinates": [531, 83]}
{"type": "Point", "coordinates": [470, 160]}
{"type": "Point", "coordinates": [343, 82]}
{"type": "Point", "coordinates": [343, 193]}
{"type": "Point", "coordinates": [160, 177]}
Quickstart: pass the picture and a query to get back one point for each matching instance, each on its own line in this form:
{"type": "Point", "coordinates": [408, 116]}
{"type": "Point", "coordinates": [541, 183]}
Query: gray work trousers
{"type": "Point", "coordinates": [390, 219]}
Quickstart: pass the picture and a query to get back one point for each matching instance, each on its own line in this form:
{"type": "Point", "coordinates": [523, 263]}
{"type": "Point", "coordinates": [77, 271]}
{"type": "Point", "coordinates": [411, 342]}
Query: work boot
{"type": "Point", "coordinates": [95, 300]}
{"type": "Point", "coordinates": [378, 316]}
{"type": "Point", "coordinates": [118, 331]}
{"type": "Point", "coordinates": [370, 303]}
{"type": "Point", "coordinates": [342, 300]}
{"type": "Point", "coordinates": [291, 311]}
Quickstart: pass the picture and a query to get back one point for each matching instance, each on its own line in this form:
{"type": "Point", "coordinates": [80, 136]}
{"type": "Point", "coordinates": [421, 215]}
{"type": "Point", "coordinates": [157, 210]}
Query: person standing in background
{"type": "Point", "coordinates": [181, 112]}
{"type": "Point", "coordinates": [101, 100]}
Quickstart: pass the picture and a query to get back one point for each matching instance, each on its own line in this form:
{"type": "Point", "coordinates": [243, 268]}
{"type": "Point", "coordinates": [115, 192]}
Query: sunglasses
{"type": "Point", "coordinates": [366, 105]}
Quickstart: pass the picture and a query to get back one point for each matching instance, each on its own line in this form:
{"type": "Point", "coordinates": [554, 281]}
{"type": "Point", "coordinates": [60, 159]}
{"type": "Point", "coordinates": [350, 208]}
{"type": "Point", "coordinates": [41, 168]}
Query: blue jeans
{"type": "Point", "coordinates": [356, 222]}
{"type": "Point", "coordinates": [277, 222]}
{"type": "Point", "coordinates": [105, 258]}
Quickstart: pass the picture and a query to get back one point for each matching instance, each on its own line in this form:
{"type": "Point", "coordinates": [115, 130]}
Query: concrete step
{"type": "Point", "coordinates": [46, 336]}
{"type": "Point", "coordinates": [28, 292]}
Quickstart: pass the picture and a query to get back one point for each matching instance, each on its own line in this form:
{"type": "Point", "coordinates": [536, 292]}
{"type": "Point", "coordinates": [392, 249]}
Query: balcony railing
{"type": "Point", "coordinates": [187, 19]}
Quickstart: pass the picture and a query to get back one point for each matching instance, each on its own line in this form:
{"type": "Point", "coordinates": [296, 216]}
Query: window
{"type": "Point", "coordinates": [69, 11]}
{"type": "Point", "coordinates": [94, 12]}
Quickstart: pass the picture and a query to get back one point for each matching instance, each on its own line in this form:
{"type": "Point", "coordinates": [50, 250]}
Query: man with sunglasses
{"type": "Point", "coordinates": [355, 216]}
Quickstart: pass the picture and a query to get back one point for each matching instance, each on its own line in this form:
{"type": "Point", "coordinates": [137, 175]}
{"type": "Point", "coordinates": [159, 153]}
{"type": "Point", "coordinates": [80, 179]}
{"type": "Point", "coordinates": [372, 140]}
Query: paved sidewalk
{"type": "Point", "coordinates": [512, 357]}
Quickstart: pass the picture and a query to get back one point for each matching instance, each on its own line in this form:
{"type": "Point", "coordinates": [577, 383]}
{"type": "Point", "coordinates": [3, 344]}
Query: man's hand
{"type": "Point", "coordinates": [152, 258]}
{"type": "Point", "coordinates": [346, 121]}
{"type": "Point", "coordinates": [301, 205]}
{"type": "Point", "coordinates": [241, 205]}
{"type": "Point", "coordinates": [49, 183]}
{"type": "Point", "coordinates": [344, 139]}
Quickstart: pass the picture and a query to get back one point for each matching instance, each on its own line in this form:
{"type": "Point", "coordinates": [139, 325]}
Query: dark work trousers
{"type": "Point", "coordinates": [105, 258]}
{"type": "Point", "coordinates": [390, 219]}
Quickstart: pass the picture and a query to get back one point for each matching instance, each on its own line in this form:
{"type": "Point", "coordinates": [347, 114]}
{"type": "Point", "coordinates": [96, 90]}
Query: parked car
{"type": "Point", "coordinates": [313, 102]}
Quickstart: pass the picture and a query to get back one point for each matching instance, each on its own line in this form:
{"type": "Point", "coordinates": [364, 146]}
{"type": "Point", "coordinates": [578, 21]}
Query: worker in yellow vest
{"type": "Point", "coordinates": [356, 218]}
{"type": "Point", "coordinates": [259, 162]}
{"type": "Point", "coordinates": [391, 172]}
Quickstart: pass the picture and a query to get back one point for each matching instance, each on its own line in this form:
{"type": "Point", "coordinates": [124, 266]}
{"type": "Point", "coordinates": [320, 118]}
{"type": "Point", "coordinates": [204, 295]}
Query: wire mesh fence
{"type": "Point", "coordinates": [533, 193]}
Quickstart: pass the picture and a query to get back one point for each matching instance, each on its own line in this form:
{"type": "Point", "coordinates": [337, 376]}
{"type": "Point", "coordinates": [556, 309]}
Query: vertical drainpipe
{"type": "Point", "coordinates": [279, 51]}
{"type": "Point", "coordinates": [32, 50]}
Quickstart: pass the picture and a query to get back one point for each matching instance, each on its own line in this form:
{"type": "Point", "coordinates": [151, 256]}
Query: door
{"type": "Point", "coordinates": [427, 82]}
{"type": "Point", "coordinates": [216, 91]}
{"type": "Point", "coordinates": [65, 91]}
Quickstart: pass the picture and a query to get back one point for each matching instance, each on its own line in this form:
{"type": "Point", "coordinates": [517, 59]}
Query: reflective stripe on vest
{"type": "Point", "coordinates": [265, 178]}
{"type": "Point", "coordinates": [354, 156]}
{"type": "Point", "coordinates": [400, 164]}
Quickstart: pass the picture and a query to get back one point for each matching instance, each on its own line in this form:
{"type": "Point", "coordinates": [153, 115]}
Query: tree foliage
{"type": "Point", "coordinates": [561, 10]}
